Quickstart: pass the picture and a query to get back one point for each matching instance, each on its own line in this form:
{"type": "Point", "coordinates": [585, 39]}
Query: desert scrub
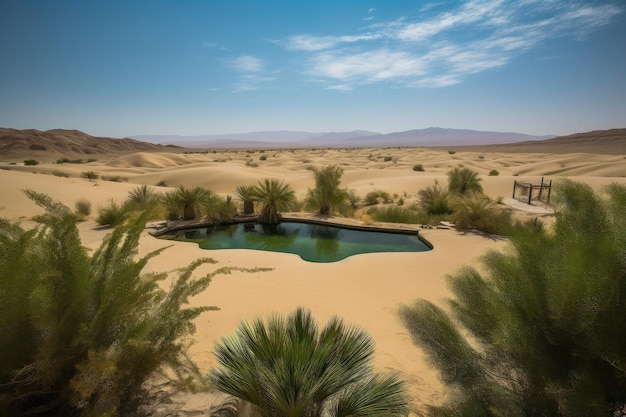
{"type": "Point", "coordinates": [112, 214]}
{"type": "Point", "coordinates": [31, 162]}
{"type": "Point", "coordinates": [494, 173]}
{"type": "Point", "coordinates": [263, 158]}
{"type": "Point", "coordinates": [90, 175]}
{"type": "Point", "coordinates": [83, 207]}
{"type": "Point", "coordinates": [394, 214]}
{"type": "Point", "coordinates": [61, 174]}
{"type": "Point", "coordinates": [418, 167]}
{"type": "Point", "coordinates": [435, 199]}
{"type": "Point", "coordinates": [376, 196]}
{"type": "Point", "coordinates": [477, 211]}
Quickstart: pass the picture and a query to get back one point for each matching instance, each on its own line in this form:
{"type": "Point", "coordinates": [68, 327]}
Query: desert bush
{"type": "Point", "coordinates": [114, 178]}
{"type": "Point", "coordinates": [387, 159]}
{"type": "Point", "coordinates": [494, 173]}
{"type": "Point", "coordinates": [434, 199]}
{"type": "Point", "coordinates": [252, 164]}
{"type": "Point", "coordinates": [83, 207]}
{"type": "Point", "coordinates": [373, 197]}
{"type": "Point", "coordinates": [161, 184]}
{"type": "Point", "coordinates": [394, 214]}
{"type": "Point", "coordinates": [451, 152]}
{"type": "Point", "coordinates": [263, 158]}
{"type": "Point", "coordinates": [418, 167]}
{"type": "Point", "coordinates": [31, 162]}
{"type": "Point", "coordinates": [463, 180]}
{"type": "Point", "coordinates": [86, 334]}
{"type": "Point", "coordinates": [287, 367]}
{"type": "Point", "coordinates": [537, 331]}
{"type": "Point", "coordinates": [477, 211]}
{"type": "Point", "coordinates": [90, 175]}
{"type": "Point", "coordinates": [112, 214]}
{"type": "Point", "coordinates": [62, 174]}
{"type": "Point", "coordinates": [353, 198]}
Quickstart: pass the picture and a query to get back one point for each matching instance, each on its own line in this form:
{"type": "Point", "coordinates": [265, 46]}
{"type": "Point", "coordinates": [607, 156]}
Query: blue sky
{"type": "Point", "coordinates": [121, 68]}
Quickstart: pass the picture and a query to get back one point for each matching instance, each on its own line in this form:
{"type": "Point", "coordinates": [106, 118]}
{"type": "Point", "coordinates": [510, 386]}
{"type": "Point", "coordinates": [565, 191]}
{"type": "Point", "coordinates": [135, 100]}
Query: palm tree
{"type": "Point", "coordinates": [246, 195]}
{"type": "Point", "coordinates": [275, 196]}
{"type": "Point", "coordinates": [463, 180]}
{"type": "Point", "coordinates": [141, 197]}
{"type": "Point", "coordinates": [286, 368]}
{"type": "Point", "coordinates": [326, 194]}
{"type": "Point", "coordinates": [191, 200]}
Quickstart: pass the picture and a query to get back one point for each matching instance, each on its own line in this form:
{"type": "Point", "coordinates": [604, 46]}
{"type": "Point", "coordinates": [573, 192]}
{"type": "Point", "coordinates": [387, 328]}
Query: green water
{"type": "Point", "coordinates": [313, 243]}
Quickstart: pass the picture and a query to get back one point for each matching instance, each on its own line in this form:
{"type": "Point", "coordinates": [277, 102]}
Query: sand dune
{"type": "Point", "coordinates": [365, 289]}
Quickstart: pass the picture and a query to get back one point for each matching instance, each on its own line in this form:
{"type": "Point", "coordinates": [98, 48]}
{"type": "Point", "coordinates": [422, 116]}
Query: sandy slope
{"type": "Point", "coordinates": [365, 289]}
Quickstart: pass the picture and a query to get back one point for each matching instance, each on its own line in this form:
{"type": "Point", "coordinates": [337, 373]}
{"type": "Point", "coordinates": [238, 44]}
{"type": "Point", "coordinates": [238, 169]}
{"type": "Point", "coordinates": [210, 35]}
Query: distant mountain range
{"type": "Point", "coordinates": [432, 136]}
{"type": "Point", "coordinates": [19, 144]}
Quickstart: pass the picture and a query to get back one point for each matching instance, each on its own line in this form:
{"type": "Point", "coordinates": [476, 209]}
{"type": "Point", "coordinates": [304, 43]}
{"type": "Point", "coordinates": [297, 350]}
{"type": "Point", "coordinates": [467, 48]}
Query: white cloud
{"type": "Point", "coordinates": [446, 48]}
{"type": "Point", "coordinates": [247, 63]}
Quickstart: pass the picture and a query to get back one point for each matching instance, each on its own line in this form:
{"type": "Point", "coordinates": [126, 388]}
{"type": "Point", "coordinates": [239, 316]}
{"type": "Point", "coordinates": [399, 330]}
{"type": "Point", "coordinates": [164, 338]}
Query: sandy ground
{"type": "Point", "coordinates": [365, 289]}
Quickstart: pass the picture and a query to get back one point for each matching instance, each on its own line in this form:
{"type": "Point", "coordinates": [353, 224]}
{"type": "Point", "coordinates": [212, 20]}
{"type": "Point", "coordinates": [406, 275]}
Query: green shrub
{"type": "Point", "coordinates": [451, 152]}
{"type": "Point", "coordinates": [263, 158]}
{"type": "Point", "coordinates": [387, 159]}
{"type": "Point", "coordinates": [418, 167]}
{"type": "Point", "coordinates": [112, 215]}
{"type": "Point", "coordinates": [394, 214]}
{"type": "Point", "coordinates": [493, 173]}
{"type": "Point", "coordinates": [477, 211]}
{"type": "Point", "coordinates": [90, 175]}
{"type": "Point", "coordinates": [373, 197]}
{"type": "Point", "coordinates": [463, 180]}
{"type": "Point", "coordinates": [63, 161]}
{"type": "Point", "coordinates": [87, 334]}
{"type": "Point", "coordinates": [546, 317]}
{"type": "Point", "coordinates": [290, 367]}
{"type": "Point", "coordinates": [114, 178]}
{"type": "Point", "coordinates": [434, 199]}
{"type": "Point", "coordinates": [353, 198]}
{"type": "Point", "coordinates": [31, 162]}
{"type": "Point", "coordinates": [142, 198]}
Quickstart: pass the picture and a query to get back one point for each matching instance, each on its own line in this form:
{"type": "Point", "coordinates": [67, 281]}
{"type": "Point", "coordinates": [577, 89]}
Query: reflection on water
{"type": "Point", "coordinates": [314, 243]}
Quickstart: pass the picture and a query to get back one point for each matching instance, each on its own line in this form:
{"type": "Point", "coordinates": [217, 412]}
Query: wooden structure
{"type": "Point", "coordinates": [527, 192]}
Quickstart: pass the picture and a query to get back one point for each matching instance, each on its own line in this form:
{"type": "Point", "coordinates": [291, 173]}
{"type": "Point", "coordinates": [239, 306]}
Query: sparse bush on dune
{"type": "Point", "coordinates": [418, 167]}
{"type": "Point", "coordinates": [494, 173]}
{"type": "Point", "coordinates": [83, 207]}
{"type": "Point", "coordinates": [87, 334]}
{"type": "Point", "coordinates": [142, 198]}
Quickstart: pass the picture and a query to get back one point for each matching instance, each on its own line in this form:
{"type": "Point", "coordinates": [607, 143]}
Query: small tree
{"type": "Point", "coordinates": [246, 194]}
{"type": "Point", "coordinates": [287, 368]}
{"type": "Point", "coordinates": [275, 196]}
{"type": "Point", "coordinates": [546, 320]}
{"type": "Point", "coordinates": [326, 195]}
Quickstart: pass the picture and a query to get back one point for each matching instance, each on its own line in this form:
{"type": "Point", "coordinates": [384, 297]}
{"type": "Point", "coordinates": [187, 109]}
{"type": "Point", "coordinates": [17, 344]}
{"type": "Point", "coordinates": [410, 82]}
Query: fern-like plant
{"type": "Point", "coordinates": [87, 334]}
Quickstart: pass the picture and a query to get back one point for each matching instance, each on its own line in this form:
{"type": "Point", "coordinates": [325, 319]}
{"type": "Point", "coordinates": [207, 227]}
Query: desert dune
{"type": "Point", "coordinates": [364, 289]}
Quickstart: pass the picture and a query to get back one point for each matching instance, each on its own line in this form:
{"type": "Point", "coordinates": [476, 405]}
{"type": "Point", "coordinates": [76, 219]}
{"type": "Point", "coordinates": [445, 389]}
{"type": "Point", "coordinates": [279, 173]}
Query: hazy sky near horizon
{"type": "Point", "coordinates": [190, 67]}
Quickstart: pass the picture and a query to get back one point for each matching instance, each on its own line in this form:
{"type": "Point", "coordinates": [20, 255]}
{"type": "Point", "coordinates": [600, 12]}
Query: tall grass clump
{"type": "Point", "coordinates": [537, 331]}
{"type": "Point", "coordinates": [142, 198]}
{"type": "Point", "coordinates": [477, 211]}
{"type": "Point", "coordinates": [463, 180]}
{"type": "Point", "coordinates": [435, 199]}
{"type": "Point", "coordinates": [394, 214]}
{"type": "Point", "coordinates": [87, 334]}
{"type": "Point", "coordinates": [327, 194]}
{"type": "Point", "coordinates": [290, 367]}
{"type": "Point", "coordinates": [83, 207]}
{"type": "Point", "coordinates": [112, 214]}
